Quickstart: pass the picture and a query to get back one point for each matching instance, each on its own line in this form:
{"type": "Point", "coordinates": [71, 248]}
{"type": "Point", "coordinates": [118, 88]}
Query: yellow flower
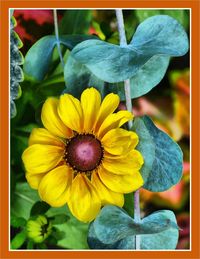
{"type": "Point", "coordinates": [82, 157]}
{"type": "Point", "coordinates": [38, 230]}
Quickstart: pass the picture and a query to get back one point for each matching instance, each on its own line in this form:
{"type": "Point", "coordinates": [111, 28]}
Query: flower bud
{"type": "Point", "coordinates": [38, 229]}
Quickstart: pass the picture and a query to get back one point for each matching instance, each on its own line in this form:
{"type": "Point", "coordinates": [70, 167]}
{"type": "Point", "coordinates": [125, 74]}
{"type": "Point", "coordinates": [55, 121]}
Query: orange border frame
{"type": "Point", "coordinates": [4, 77]}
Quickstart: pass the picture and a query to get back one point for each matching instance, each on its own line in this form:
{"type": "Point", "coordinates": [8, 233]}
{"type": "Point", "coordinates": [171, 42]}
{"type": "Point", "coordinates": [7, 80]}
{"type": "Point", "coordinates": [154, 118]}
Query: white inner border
{"type": "Point", "coordinates": [190, 205]}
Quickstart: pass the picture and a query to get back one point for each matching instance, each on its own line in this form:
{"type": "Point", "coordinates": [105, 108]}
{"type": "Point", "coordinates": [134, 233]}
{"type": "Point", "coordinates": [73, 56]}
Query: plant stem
{"type": "Point", "coordinates": [123, 43]}
{"type": "Point", "coordinates": [57, 37]}
{"type": "Point", "coordinates": [137, 216]}
{"type": "Point", "coordinates": [127, 89]}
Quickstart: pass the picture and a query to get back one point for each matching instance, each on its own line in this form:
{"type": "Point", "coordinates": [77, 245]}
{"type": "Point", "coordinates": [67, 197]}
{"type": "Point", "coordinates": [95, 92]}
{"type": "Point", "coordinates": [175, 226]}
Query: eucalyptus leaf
{"type": "Point", "coordinates": [38, 58]}
{"type": "Point", "coordinates": [164, 240]}
{"type": "Point", "coordinates": [114, 224]}
{"type": "Point", "coordinates": [157, 146]}
{"type": "Point", "coordinates": [145, 79]}
{"type": "Point", "coordinates": [146, 146]}
{"type": "Point", "coordinates": [160, 34]}
{"type": "Point", "coordinates": [157, 35]}
{"type": "Point", "coordinates": [95, 243]}
{"type": "Point", "coordinates": [157, 231]}
{"type": "Point", "coordinates": [78, 77]}
{"type": "Point", "coordinates": [18, 240]}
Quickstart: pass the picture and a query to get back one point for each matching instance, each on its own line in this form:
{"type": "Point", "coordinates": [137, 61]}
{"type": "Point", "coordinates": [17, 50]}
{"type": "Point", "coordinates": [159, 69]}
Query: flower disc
{"type": "Point", "coordinates": [84, 152]}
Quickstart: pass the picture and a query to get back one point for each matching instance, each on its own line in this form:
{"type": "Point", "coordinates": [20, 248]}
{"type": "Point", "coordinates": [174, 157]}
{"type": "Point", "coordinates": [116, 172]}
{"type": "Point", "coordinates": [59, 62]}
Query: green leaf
{"type": "Point", "coordinates": [27, 128]}
{"type": "Point", "coordinates": [24, 198]}
{"type": "Point", "coordinates": [40, 207]}
{"type": "Point", "coordinates": [167, 166]}
{"type": "Point", "coordinates": [157, 231]}
{"type": "Point", "coordinates": [18, 240]}
{"type": "Point", "coordinates": [39, 56]}
{"type": "Point", "coordinates": [18, 145]}
{"type": "Point", "coordinates": [113, 224]}
{"type": "Point", "coordinates": [17, 222]}
{"type": "Point", "coordinates": [75, 231]}
{"type": "Point", "coordinates": [78, 77]}
{"type": "Point", "coordinates": [30, 244]}
{"type": "Point", "coordinates": [75, 22]}
{"type": "Point", "coordinates": [128, 203]}
{"type": "Point", "coordinates": [180, 15]}
{"type": "Point", "coordinates": [158, 35]}
{"type": "Point", "coordinates": [146, 146]}
{"type": "Point", "coordinates": [60, 219]}
{"type": "Point", "coordinates": [144, 14]}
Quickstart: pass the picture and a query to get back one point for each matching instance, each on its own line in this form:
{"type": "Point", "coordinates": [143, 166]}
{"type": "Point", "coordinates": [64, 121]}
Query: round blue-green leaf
{"type": "Point", "coordinates": [109, 62]}
{"type": "Point", "coordinates": [167, 166]}
{"type": "Point", "coordinates": [114, 224]}
{"type": "Point", "coordinates": [145, 79]}
{"type": "Point", "coordinates": [165, 240]}
{"type": "Point", "coordinates": [78, 77]}
{"type": "Point", "coordinates": [39, 56]}
{"type": "Point", "coordinates": [161, 34]}
{"type": "Point", "coordinates": [146, 146]}
{"type": "Point", "coordinates": [95, 243]}
{"type": "Point", "coordinates": [154, 230]}
{"type": "Point", "coordinates": [157, 35]}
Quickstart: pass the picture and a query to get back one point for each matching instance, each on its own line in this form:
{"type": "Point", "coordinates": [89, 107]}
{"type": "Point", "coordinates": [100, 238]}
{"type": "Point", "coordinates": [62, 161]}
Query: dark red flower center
{"type": "Point", "coordinates": [84, 152]}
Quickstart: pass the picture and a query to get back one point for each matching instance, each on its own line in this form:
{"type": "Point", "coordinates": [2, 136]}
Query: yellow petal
{"type": "Point", "coordinates": [131, 162]}
{"type": "Point", "coordinates": [106, 195]}
{"type": "Point", "coordinates": [41, 158]}
{"type": "Point", "coordinates": [119, 141]}
{"type": "Point", "coordinates": [121, 183]}
{"type": "Point", "coordinates": [51, 119]}
{"type": "Point", "coordinates": [54, 187]}
{"type": "Point", "coordinates": [90, 102]}
{"type": "Point", "coordinates": [70, 111]}
{"type": "Point", "coordinates": [43, 136]}
{"type": "Point", "coordinates": [113, 121]}
{"type": "Point", "coordinates": [108, 106]}
{"type": "Point", "coordinates": [34, 179]}
{"type": "Point", "coordinates": [84, 202]}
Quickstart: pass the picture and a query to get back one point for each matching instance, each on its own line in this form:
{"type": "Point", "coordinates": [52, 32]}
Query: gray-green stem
{"type": "Point", "coordinates": [57, 37]}
{"type": "Point", "coordinates": [127, 89]}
